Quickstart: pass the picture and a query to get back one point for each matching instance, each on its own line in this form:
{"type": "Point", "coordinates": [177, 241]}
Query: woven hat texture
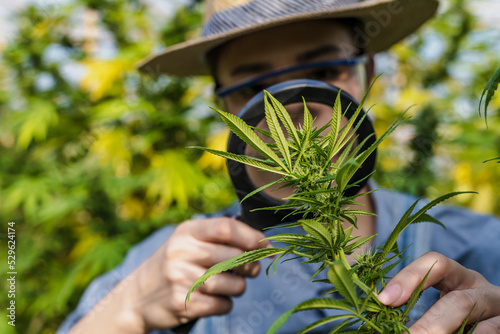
{"type": "Point", "coordinates": [386, 22]}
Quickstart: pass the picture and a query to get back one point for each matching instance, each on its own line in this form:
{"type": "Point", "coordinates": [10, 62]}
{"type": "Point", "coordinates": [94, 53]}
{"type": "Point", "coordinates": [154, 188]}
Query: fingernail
{"type": "Point", "coordinates": [390, 294]}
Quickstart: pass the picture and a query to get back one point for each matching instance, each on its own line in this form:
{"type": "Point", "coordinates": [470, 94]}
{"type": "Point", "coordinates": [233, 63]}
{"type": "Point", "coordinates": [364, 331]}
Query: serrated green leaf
{"type": "Point", "coordinates": [305, 138]}
{"type": "Point", "coordinates": [316, 192]}
{"type": "Point", "coordinates": [278, 237]}
{"type": "Point", "coordinates": [429, 219]}
{"type": "Point", "coordinates": [276, 259]}
{"type": "Point", "coordinates": [245, 133]}
{"type": "Point", "coordinates": [401, 225]}
{"type": "Point", "coordinates": [436, 201]}
{"type": "Point", "coordinates": [346, 155]}
{"type": "Point", "coordinates": [473, 328]}
{"type": "Point", "coordinates": [264, 187]}
{"type": "Point", "coordinates": [311, 304]}
{"type": "Point", "coordinates": [285, 118]}
{"type": "Point", "coordinates": [358, 243]}
{"type": "Point", "coordinates": [323, 303]}
{"type": "Point", "coordinates": [345, 134]}
{"type": "Point", "coordinates": [318, 131]}
{"type": "Point", "coordinates": [276, 131]}
{"type": "Point", "coordinates": [296, 240]}
{"type": "Point", "coordinates": [416, 294]}
{"type": "Point", "coordinates": [234, 262]}
{"type": "Point", "coordinates": [287, 225]}
{"type": "Point", "coordinates": [385, 270]}
{"type": "Point", "coordinates": [345, 324]}
{"type": "Point", "coordinates": [347, 174]}
{"type": "Point", "coordinates": [324, 321]}
{"type": "Point", "coordinates": [262, 132]}
{"type": "Point", "coordinates": [351, 219]}
{"type": "Point", "coordinates": [371, 306]}
{"type": "Point", "coordinates": [489, 91]}
{"type": "Point", "coordinates": [250, 161]}
{"type": "Point", "coordinates": [408, 219]}
{"type": "Point", "coordinates": [327, 178]}
{"type": "Point", "coordinates": [462, 328]}
{"type": "Point", "coordinates": [359, 212]}
{"type": "Point", "coordinates": [278, 323]}
{"type": "Point", "coordinates": [352, 134]}
{"type": "Point", "coordinates": [323, 266]}
{"type": "Point", "coordinates": [339, 233]}
{"type": "Point", "coordinates": [317, 230]}
{"type": "Point", "coordinates": [346, 129]}
{"type": "Point", "coordinates": [303, 199]}
{"type": "Point", "coordinates": [277, 207]}
{"type": "Point", "coordinates": [335, 124]}
{"type": "Point", "coordinates": [343, 282]}
{"type": "Point", "coordinates": [307, 124]}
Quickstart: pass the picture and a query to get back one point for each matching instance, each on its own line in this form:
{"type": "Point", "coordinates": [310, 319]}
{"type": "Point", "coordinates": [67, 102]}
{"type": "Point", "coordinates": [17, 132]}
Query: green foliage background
{"type": "Point", "coordinates": [93, 158]}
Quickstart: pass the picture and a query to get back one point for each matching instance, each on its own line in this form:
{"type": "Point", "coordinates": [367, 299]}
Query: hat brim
{"type": "Point", "coordinates": [381, 32]}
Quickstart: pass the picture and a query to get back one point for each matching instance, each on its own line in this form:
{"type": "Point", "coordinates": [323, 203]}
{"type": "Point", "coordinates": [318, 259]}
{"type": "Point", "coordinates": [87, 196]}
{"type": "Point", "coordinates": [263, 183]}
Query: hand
{"type": "Point", "coordinates": [153, 296]}
{"type": "Point", "coordinates": [461, 290]}
{"type": "Point", "coordinates": [193, 248]}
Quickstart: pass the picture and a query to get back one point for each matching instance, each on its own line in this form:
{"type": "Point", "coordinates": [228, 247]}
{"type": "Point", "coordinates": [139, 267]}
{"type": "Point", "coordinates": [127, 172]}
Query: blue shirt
{"type": "Point", "coordinates": [470, 238]}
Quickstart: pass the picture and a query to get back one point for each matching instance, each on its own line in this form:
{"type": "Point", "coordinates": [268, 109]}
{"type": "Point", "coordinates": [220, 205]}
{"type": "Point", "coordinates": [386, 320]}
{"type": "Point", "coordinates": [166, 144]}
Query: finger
{"type": "Point", "coordinates": [203, 305]}
{"type": "Point", "coordinates": [249, 269]}
{"type": "Point", "coordinates": [207, 254]}
{"type": "Point", "coordinates": [488, 326]}
{"type": "Point", "coordinates": [229, 231]}
{"type": "Point", "coordinates": [446, 275]}
{"type": "Point", "coordinates": [449, 312]}
{"type": "Point", "coordinates": [181, 275]}
{"type": "Point", "coordinates": [174, 310]}
{"type": "Point", "coordinates": [224, 284]}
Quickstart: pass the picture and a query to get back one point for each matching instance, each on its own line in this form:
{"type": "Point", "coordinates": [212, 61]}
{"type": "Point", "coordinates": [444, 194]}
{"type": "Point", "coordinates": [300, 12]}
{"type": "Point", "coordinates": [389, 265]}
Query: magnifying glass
{"type": "Point", "coordinates": [319, 97]}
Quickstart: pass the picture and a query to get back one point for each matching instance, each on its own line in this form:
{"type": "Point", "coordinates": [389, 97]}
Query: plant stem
{"type": "Point", "coordinates": [343, 259]}
{"type": "Point", "coordinates": [360, 316]}
{"type": "Point", "coordinates": [294, 252]}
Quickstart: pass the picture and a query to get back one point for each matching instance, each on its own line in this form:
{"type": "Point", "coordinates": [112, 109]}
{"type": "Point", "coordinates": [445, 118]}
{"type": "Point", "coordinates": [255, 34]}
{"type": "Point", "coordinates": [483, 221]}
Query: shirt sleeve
{"type": "Point", "coordinates": [102, 285]}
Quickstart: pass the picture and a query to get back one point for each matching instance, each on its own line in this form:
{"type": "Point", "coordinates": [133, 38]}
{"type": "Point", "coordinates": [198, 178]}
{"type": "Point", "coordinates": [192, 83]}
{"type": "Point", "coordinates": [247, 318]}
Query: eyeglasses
{"type": "Point", "coordinates": [324, 71]}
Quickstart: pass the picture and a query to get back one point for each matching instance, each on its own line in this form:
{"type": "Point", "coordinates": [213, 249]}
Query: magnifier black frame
{"type": "Point", "coordinates": [253, 112]}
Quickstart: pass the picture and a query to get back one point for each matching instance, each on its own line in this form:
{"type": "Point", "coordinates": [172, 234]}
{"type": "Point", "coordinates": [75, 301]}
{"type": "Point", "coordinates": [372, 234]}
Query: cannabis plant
{"type": "Point", "coordinates": [318, 168]}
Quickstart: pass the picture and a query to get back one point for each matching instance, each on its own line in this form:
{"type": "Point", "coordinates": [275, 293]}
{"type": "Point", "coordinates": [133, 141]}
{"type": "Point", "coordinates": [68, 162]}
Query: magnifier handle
{"type": "Point", "coordinates": [184, 328]}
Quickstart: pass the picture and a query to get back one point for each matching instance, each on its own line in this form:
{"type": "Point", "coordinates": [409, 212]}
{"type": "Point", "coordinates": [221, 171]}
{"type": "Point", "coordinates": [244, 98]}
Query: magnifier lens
{"type": "Point", "coordinates": [320, 97]}
{"type": "Point", "coordinates": [321, 114]}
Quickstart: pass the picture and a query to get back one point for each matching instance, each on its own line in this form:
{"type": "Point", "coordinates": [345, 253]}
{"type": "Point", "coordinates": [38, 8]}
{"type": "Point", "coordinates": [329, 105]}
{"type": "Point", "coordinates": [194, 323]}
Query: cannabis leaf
{"type": "Point", "coordinates": [239, 260]}
{"type": "Point", "coordinates": [488, 92]}
{"type": "Point", "coordinates": [419, 216]}
{"type": "Point", "coordinates": [245, 132]}
{"type": "Point", "coordinates": [342, 281]}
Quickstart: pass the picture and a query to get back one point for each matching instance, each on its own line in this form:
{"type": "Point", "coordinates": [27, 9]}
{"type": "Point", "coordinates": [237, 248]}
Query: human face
{"type": "Point", "coordinates": [282, 47]}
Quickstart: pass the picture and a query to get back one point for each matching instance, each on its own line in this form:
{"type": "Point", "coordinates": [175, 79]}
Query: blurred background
{"type": "Point", "coordinates": [93, 158]}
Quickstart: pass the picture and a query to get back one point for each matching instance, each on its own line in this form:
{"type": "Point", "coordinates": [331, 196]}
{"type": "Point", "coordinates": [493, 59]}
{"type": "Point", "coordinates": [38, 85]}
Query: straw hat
{"type": "Point", "coordinates": [385, 23]}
